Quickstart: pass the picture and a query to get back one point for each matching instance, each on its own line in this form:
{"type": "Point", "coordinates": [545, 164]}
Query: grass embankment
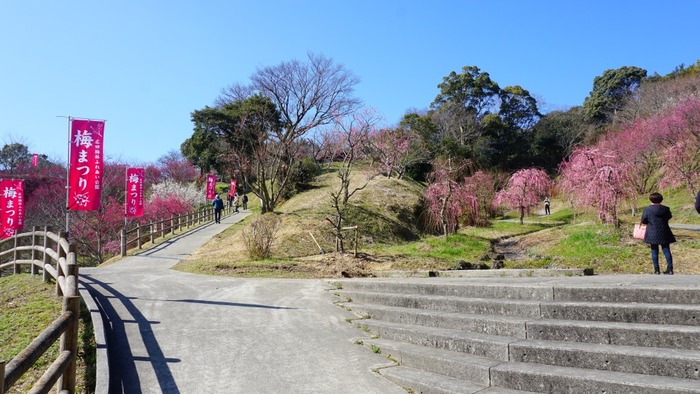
{"type": "Point", "coordinates": [27, 307]}
{"type": "Point", "coordinates": [388, 212]}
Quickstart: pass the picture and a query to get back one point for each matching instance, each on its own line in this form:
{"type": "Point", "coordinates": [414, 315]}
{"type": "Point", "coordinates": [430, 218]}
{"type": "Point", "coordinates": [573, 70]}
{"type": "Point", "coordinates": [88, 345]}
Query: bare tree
{"type": "Point", "coordinates": [308, 95]}
{"type": "Point", "coordinates": [351, 138]}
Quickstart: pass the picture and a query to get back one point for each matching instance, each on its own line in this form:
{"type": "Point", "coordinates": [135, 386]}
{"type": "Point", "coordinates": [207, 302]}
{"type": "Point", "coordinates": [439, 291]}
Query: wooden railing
{"type": "Point", "coordinates": [51, 254]}
{"type": "Point", "coordinates": [149, 232]}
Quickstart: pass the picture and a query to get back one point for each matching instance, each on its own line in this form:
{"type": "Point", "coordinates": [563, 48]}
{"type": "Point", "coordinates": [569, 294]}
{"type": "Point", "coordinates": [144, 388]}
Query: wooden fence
{"type": "Point", "coordinates": [149, 232]}
{"type": "Point", "coordinates": [51, 254]}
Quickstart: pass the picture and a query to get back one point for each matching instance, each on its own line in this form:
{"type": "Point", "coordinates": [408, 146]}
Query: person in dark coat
{"type": "Point", "coordinates": [218, 205]}
{"type": "Point", "coordinates": [697, 202]}
{"type": "Point", "coordinates": [656, 217]}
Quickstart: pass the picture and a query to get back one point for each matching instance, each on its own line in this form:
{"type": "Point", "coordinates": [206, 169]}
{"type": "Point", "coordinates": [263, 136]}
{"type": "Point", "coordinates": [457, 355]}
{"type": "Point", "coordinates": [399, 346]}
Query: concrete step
{"type": "Point", "coordinates": [677, 363]}
{"type": "Point", "coordinates": [465, 367]}
{"type": "Point", "coordinates": [610, 333]}
{"type": "Point", "coordinates": [419, 381]}
{"type": "Point", "coordinates": [470, 289]}
{"type": "Point", "coordinates": [523, 377]}
{"type": "Point", "coordinates": [490, 346]}
{"type": "Point", "coordinates": [486, 324]}
{"type": "Point", "coordinates": [515, 308]}
{"type": "Point", "coordinates": [673, 314]}
{"type": "Point", "coordinates": [553, 379]}
{"type": "Point", "coordinates": [615, 333]}
{"type": "Point", "coordinates": [593, 334]}
{"type": "Point", "coordinates": [583, 289]}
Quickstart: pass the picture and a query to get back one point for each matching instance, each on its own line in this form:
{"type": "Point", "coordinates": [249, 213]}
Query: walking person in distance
{"type": "Point", "coordinates": [218, 205]}
{"type": "Point", "coordinates": [656, 217]}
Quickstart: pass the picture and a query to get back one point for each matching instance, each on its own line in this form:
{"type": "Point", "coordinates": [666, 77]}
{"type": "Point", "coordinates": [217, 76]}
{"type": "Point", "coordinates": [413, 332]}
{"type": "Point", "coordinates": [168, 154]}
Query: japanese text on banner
{"type": "Point", "coordinates": [211, 186]}
{"type": "Point", "coordinates": [85, 167]}
{"type": "Point", "coordinates": [12, 206]}
{"type": "Point", "coordinates": [134, 192]}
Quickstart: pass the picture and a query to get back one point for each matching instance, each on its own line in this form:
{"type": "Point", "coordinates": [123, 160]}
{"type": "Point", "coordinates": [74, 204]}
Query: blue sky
{"type": "Point", "coordinates": [144, 66]}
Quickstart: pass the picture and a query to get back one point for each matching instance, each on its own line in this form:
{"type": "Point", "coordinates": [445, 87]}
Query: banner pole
{"type": "Point", "coordinates": [126, 191]}
{"type": "Point", "coordinates": [68, 181]}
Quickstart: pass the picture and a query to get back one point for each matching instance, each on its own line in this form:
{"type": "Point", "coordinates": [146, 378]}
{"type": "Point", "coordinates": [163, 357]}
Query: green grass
{"type": "Point", "coordinates": [27, 307]}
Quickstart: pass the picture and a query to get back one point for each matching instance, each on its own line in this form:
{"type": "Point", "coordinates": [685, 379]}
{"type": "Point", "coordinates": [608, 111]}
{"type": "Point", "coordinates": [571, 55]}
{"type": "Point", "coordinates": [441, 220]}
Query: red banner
{"type": "Point", "coordinates": [12, 206]}
{"type": "Point", "coordinates": [35, 160]}
{"type": "Point", "coordinates": [134, 192]}
{"type": "Point", "coordinates": [211, 186]}
{"type": "Point", "coordinates": [232, 192]}
{"type": "Point", "coordinates": [85, 167]}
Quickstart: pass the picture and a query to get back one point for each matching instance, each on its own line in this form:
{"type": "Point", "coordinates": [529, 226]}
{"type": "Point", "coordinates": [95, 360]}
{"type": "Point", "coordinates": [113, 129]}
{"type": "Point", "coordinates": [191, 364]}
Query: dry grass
{"type": "Point", "coordinates": [305, 243]}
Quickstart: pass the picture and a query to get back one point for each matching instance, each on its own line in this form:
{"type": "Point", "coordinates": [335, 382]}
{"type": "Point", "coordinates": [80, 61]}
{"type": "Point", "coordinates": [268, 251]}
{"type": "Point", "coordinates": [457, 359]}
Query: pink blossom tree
{"type": "Point", "coordinates": [447, 200]}
{"type": "Point", "coordinates": [478, 191]}
{"type": "Point", "coordinates": [681, 158]}
{"type": "Point", "coordinates": [598, 178]}
{"type": "Point", "coordinates": [524, 190]}
{"type": "Point", "coordinates": [175, 166]}
{"type": "Point", "coordinates": [391, 146]}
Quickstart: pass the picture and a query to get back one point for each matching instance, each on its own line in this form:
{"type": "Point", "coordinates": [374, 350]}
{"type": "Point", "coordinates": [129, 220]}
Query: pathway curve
{"type": "Point", "coordinates": [174, 332]}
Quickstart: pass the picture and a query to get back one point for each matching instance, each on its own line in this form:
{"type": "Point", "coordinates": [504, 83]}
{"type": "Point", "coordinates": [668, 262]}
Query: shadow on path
{"type": "Point", "coordinates": [124, 377]}
{"type": "Point", "coordinates": [231, 304]}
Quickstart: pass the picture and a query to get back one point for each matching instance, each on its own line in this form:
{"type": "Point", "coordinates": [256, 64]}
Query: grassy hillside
{"type": "Point", "coordinates": [387, 214]}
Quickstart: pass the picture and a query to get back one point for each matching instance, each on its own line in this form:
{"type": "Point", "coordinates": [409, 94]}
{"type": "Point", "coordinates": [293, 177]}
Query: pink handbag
{"type": "Point", "coordinates": [639, 230]}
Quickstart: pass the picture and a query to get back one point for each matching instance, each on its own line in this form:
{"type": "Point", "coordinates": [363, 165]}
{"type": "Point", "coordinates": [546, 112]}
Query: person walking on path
{"type": "Point", "coordinates": [656, 217]}
{"type": "Point", "coordinates": [244, 199]}
{"type": "Point", "coordinates": [546, 206]}
{"type": "Point", "coordinates": [218, 205]}
{"type": "Point", "coordinates": [235, 203]}
{"type": "Point", "coordinates": [697, 202]}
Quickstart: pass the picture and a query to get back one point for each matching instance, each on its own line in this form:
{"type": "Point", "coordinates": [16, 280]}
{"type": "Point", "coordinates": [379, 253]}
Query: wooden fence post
{"type": "Point", "coordinates": [123, 243]}
{"type": "Point", "coordinates": [15, 266]}
{"type": "Point", "coordinates": [62, 254]}
{"type": "Point", "coordinates": [356, 239]}
{"type": "Point", "coordinates": [2, 377]}
{"type": "Point", "coordinates": [35, 241]}
{"type": "Point", "coordinates": [138, 236]}
{"type": "Point", "coordinates": [152, 230]}
{"type": "Point", "coordinates": [69, 341]}
{"type": "Point", "coordinates": [47, 258]}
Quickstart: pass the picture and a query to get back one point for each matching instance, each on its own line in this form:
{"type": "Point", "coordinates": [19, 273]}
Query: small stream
{"type": "Point", "coordinates": [509, 249]}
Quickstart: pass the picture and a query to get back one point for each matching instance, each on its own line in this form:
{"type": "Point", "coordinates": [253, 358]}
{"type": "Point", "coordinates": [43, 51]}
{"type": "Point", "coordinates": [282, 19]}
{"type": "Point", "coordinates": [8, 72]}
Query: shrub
{"type": "Point", "coordinates": [260, 235]}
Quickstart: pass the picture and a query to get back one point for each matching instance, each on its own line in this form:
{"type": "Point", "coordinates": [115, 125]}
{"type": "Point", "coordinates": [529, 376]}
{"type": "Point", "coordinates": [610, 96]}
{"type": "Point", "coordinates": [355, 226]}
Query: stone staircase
{"type": "Point", "coordinates": [598, 334]}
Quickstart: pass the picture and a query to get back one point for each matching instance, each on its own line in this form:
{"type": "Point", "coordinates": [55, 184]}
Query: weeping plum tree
{"type": "Point", "coordinates": [598, 178]}
{"type": "Point", "coordinates": [446, 199]}
{"type": "Point", "coordinates": [479, 191]}
{"type": "Point", "coordinates": [524, 190]}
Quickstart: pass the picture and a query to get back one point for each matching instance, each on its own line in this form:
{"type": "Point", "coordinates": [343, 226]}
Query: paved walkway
{"type": "Point", "coordinates": [172, 332]}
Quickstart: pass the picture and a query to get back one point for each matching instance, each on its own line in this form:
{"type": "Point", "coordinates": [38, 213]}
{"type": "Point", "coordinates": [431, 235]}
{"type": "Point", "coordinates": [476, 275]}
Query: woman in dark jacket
{"type": "Point", "coordinates": [656, 217]}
